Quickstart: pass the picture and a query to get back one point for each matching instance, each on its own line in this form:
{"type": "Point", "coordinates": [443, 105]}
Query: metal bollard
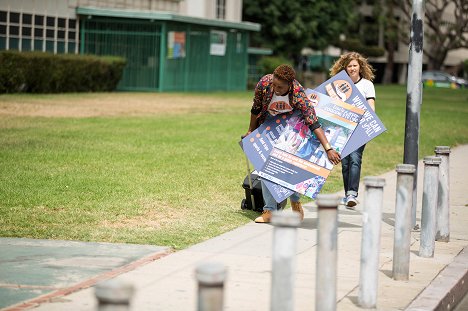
{"type": "Point", "coordinates": [402, 236]}
{"type": "Point", "coordinates": [429, 206]}
{"type": "Point", "coordinates": [113, 295]}
{"type": "Point", "coordinates": [325, 287]}
{"type": "Point", "coordinates": [210, 277]}
{"type": "Point", "coordinates": [284, 262]}
{"type": "Point", "coordinates": [370, 245]}
{"type": "Point", "coordinates": [443, 199]}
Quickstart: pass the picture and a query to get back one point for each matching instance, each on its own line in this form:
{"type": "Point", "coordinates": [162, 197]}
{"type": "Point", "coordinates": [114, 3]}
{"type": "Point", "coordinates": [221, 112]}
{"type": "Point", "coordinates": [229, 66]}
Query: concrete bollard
{"type": "Point", "coordinates": [402, 236]}
{"type": "Point", "coordinates": [284, 260]}
{"type": "Point", "coordinates": [113, 295]}
{"type": "Point", "coordinates": [327, 230]}
{"type": "Point", "coordinates": [210, 277]}
{"type": "Point", "coordinates": [429, 206]}
{"type": "Point", "coordinates": [443, 198]}
{"type": "Point", "coordinates": [370, 245]}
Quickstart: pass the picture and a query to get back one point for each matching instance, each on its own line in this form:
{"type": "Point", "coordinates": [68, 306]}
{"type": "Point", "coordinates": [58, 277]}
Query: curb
{"type": "Point", "coordinates": [447, 289]}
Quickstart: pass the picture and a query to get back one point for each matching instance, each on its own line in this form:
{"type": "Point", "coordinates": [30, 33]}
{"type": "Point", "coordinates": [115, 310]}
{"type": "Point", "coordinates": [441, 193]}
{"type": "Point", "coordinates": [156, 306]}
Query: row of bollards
{"type": "Point", "coordinates": [114, 295]}
{"type": "Point", "coordinates": [435, 224]}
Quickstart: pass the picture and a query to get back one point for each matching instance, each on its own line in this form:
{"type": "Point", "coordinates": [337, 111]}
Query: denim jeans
{"type": "Point", "coordinates": [270, 202]}
{"type": "Point", "coordinates": [351, 171]}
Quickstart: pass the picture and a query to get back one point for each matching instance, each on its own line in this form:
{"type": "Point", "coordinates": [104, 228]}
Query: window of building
{"type": "Point", "coordinates": [30, 32]}
{"type": "Point", "coordinates": [221, 9]}
{"type": "Point", "coordinates": [14, 18]}
{"type": "Point", "coordinates": [3, 16]}
{"type": "Point", "coordinates": [27, 19]}
{"type": "Point", "coordinates": [39, 20]}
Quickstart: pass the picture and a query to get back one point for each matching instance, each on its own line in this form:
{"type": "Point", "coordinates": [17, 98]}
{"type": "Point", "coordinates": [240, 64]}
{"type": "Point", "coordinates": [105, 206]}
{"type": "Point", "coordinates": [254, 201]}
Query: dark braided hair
{"type": "Point", "coordinates": [285, 72]}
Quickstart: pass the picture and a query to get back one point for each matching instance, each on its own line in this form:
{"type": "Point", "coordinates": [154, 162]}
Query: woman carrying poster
{"type": "Point", "coordinates": [362, 74]}
{"type": "Point", "coordinates": [280, 93]}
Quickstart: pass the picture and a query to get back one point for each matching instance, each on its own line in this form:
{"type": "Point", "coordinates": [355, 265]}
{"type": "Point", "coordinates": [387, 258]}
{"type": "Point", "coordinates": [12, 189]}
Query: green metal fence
{"type": "Point", "coordinates": [152, 67]}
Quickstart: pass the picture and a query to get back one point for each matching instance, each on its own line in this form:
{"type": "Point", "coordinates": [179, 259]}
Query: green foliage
{"type": "Point", "coordinates": [289, 26]}
{"type": "Point", "coordinates": [38, 72]}
{"type": "Point", "coordinates": [269, 63]}
{"type": "Point", "coordinates": [356, 46]}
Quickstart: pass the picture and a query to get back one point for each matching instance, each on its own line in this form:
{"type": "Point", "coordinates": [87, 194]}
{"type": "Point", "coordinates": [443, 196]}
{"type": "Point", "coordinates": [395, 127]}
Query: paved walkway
{"type": "Point", "coordinates": [168, 283]}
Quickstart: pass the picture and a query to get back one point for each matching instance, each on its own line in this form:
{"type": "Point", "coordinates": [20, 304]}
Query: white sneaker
{"type": "Point", "coordinates": [343, 201]}
{"type": "Point", "coordinates": [351, 201]}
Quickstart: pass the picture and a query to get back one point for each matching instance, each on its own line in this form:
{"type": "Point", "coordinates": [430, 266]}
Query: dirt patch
{"type": "Point", "coordinates": [155, 215]}
{"type": "Point", "coordinates": [111, 104]}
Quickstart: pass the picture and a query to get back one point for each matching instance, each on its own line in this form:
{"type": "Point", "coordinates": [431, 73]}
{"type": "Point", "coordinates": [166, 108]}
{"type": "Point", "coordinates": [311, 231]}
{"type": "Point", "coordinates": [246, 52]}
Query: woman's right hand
{"type": "Point", "coordinates": [333, 156]}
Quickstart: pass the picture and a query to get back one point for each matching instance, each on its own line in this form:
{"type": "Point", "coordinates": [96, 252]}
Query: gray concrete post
{"type": "Point", "coordinates": [113, 295]}
{"type": "Point", "coordinates": [370, 245]}
{"type": "Point", "coordinates": [210, 277]}
{"type": "Point", "coordinates": [327, 230]}
{"type": "Point", "coordinates": [284, 260]}
{"type": "Point", "coordinates": [402, 235]}
{"type": "Point", "coordinates": [443, 199]}
{"type": "Point", "coordinates": [429, 206]}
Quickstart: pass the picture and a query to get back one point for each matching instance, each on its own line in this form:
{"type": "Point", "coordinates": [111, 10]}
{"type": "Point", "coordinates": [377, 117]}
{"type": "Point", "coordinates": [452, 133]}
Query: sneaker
{"type": "Point", "coordinates": [351, 201]}
{"type": "Point", "coordinates": [343, 201]}
{"type": "Point", "coordinates": [264, 218]}
{"type": "Point", "coordinates": [297, 207]}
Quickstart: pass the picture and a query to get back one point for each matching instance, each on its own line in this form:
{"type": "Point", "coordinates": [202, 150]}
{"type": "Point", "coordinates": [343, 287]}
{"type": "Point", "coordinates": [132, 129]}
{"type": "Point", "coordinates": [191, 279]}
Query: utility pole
{"type": "Point", "coordinates": [414, 95]}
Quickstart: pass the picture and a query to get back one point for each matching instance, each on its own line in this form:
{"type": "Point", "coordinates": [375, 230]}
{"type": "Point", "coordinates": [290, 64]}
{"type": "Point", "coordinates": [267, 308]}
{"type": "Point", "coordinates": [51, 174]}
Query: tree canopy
{"type": "Point", "coordinates": [289, 26]}
{"type": "Point", "coordinates": [446, 27]}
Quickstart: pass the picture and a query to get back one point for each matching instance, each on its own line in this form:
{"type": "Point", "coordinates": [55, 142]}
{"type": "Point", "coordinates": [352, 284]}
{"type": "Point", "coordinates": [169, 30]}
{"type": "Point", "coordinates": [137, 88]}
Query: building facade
{"type": "Point", "coordinates": [169, 45]}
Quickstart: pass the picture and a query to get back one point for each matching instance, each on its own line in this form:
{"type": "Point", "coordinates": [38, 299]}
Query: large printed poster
{"type": "Point", "coordinates": [342, 87]}
{"type": "Point", "coordinates": [286, 152]}
{"type": "Point", "coordinates": [175, 44]}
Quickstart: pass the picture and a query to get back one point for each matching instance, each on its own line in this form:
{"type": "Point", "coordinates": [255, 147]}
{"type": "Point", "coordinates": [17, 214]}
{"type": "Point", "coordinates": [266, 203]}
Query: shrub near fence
{"type": "Point", "coordinates": [38, 72]}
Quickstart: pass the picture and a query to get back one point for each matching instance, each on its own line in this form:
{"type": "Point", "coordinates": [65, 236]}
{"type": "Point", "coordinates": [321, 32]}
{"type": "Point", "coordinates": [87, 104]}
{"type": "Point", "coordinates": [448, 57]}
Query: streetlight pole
{"type": "Point", "coordinates": [414, 94]}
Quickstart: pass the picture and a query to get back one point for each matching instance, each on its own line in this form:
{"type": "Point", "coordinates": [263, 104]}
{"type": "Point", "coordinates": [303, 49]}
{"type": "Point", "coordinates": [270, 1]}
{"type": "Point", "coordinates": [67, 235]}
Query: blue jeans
{"type": "Point", "coordinates": [270, 202]}
{"type": "Point", "coordinates": [351, 171]}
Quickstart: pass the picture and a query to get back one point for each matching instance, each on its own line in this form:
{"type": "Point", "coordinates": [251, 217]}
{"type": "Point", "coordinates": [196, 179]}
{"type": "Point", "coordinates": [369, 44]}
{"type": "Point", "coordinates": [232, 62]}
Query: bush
{"type": "Point", "coordinates": [39, 72]}
{"type": "Point", "coordinates": [268, 64]}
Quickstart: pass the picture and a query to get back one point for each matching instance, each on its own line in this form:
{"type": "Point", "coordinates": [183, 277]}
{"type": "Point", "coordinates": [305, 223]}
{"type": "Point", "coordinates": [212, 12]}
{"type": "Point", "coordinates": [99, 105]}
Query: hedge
{"type": "Point", "coordinates": [39, 72]}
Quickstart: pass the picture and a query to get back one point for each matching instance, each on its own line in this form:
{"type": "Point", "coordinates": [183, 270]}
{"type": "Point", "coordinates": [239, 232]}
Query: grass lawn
{"type": "Point", "coordinates": [163, 169]}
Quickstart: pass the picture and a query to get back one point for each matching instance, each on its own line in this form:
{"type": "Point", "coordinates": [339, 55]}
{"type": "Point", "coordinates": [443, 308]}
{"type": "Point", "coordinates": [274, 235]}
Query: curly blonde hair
{"type": "Point", "coordinates": [365, 69]}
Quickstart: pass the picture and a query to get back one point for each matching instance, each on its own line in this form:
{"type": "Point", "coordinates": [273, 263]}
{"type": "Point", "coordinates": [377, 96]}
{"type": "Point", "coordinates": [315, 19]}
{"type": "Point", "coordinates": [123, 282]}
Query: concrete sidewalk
{"type": "Point", "coordinates": [169, 284]}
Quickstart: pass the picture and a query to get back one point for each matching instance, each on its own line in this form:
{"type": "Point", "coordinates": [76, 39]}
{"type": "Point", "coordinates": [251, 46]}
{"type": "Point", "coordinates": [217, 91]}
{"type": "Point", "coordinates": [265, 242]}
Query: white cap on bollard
{"type": "Point", "coordinates": [114, 291]}
{"type": "Point", "coordinates": [442, 150]}
{"type": "Point", "coordinates": [373, 181]}
{"type": "Point", "coordinates": [211, 273]}
{"type": "Point", "coordinates": [432, 160]}
{"type": "Point", "coordinates": [327, 200]}
{"type": "Point", "coordinates": [285, 219]}
{"type": "Point", "coordinates": [405, 168]}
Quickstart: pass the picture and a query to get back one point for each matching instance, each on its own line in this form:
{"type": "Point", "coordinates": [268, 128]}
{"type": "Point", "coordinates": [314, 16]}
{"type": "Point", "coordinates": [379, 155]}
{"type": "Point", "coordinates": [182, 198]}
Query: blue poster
{"type": "Point", "coordinates": [258, 145]}
{"type": "Point", "coordinates": [298, 161]}
{"type": "Point", "coordinates": [286, 152]}
{"type": "Point", "coordinates": [342, 87]}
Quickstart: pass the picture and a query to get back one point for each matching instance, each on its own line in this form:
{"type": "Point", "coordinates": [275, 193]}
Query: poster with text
{"type": "Point", "coordinates": [218, 40]}
{"type": "Point", "coordinates": [286, 152]}
{"type": "Point", "coordinates": [342, 87]}
{"type": "Point", "coordinates": [258, 145]}
{"type": "Point", "coordinates": [175, 44]}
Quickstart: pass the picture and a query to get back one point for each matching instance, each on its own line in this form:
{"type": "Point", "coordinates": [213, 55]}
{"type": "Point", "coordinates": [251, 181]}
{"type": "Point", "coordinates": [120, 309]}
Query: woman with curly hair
{"type": "Point", "coordinates": [280, 93]}
{"type": "Point", "coordinates": [362, 74]}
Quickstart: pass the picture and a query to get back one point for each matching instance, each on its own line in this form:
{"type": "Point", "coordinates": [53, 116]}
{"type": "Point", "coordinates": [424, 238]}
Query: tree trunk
{"type": "Point", "coordinates": [388, 74]}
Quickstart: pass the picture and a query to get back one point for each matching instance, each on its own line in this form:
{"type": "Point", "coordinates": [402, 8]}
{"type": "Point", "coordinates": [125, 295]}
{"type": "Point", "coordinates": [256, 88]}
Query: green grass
{"type": "Point", "coordinates": [171, 179]}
